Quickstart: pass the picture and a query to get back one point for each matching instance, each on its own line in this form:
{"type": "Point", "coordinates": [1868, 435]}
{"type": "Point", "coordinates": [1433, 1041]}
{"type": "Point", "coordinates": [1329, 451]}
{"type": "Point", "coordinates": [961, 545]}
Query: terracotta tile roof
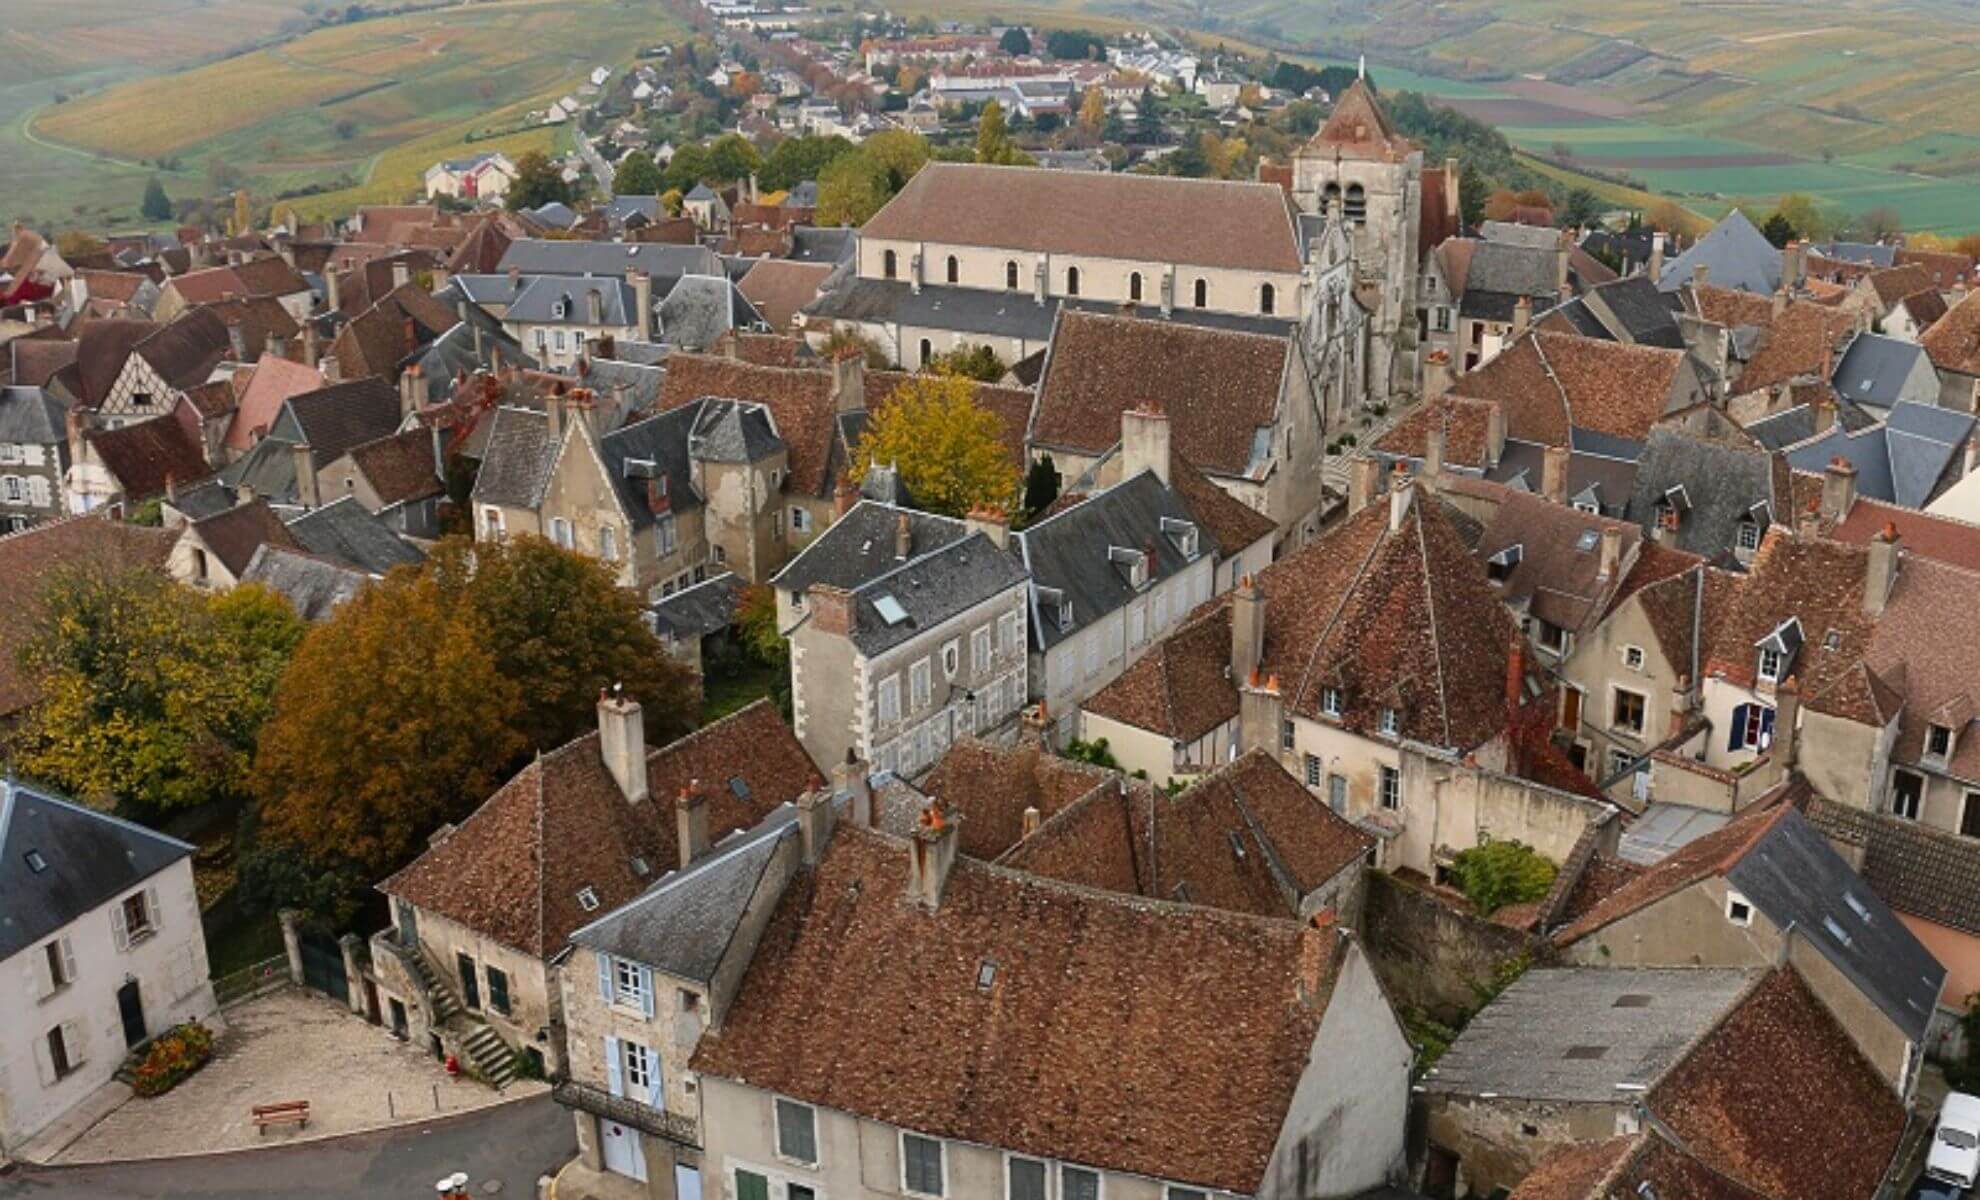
{"type": "Point", "coordinates": [1181, 689]}
{"type": "Point", "coordinates": [400, 467]}
{"type": "Point", "coordinates": [235, 534]}
{"type": "Point", "coordinates": [513, 870]}
{"type": "Point", "coordinates": [271, 382]}
{"type": "Point", "coordinates": [1403, 620]}
{"type": "Point", "coordinates": [186, 352]}
{"type": "Point", "coordinates": [117, 287]}
{"type": "Point", "coordinates": [144, 457]}
{"type": "Point", "coordinates": [1233, 523]}
{"type": "Point", "coordinates": [1803, 339]}
{"type": "Point", "coordinates": [1518, 381]}
{"type": "Point", "coordinates": [1628, 1168]}
{"type": "Point", "coordinates": [799, 400]}
{"type": "Point", "coordinates": [102, 349]}
{"type": "Point", "coordinates": [1924, 308]}
{"type": "Point", "coordinates": [1558, 576]}
{"type": "Point", "coordinates": [1358, 128]}
{"type": "Point", "coordinates": [1948, 540]}
{"type": "Point", "coordinates": [377, 340]}
{"type": "Point", "coordinates": [35, 361]}
{"type": "Point", "coordinates": [990, 786]}
{"type": "Point", "coordinates": [1945, 266]}
{"type": "Point", "coordinates": [1917, 870]}
{"type": "Point", "coordinates": [480, 253]}
{"type": "Point", "coordinates": [1893, 284]}
{"type": "Point", "coordinates": [1739, 1101]}
{"type": "Point", "coordinates": [766, 349]}
{"type": "Point", "coordinates": [1136, 218]}
{"type": "Point", "coordinates": [1219, 388]}
{"type": "Point", "coordinates": [1939, 674]}
{"type": "Point", "coordinates": [213, 399]}
{"type": "Point", "coordinates": [1074, 1050]}
{"type": "Point", "coordinates": [1815, 581]}
{"type": "Point", "coordinates": [779, 288]}
{"type": "Point", "coordinates": [255, 278]}
{"type": "Point", "coordinates": [23, 251]}
{"type": "Point", "coordinates": [1600, 879]}
{"type": "Point", "coordinates": [1611, 387]}
{"type": "Point", "coordinates": [1953, 342]}
{"type": "Point", "coordinates": [1467, 431]}
{"type": "Point", "coordinates": [1705, 857]}
{"type": "Point", "coordinates": [257, 319]}
{"type": "Point", "coordinates": [27, 558]}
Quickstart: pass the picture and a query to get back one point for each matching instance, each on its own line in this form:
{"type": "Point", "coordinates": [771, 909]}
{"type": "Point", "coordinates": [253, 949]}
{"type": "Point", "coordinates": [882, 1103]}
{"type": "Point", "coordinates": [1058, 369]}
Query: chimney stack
{"type": "Point", "coordinates": [1522, 316]}
{"type": "Point", "coordinates": [851, 778]}
{"type": "Point", "coordinates": [932, 854]}
{"type": "Point", "coordinates": [1361, 484]}
{"type": "Point", "coordinates": [903, 537]}
{"type": "Point", "coordinates": [691, 823]}
{"type": "Point", "coordinates": [1656, 268]}
{"type": "Point", "coordinates": [1433, 453]}
{"type": "Point", "coordinates": [1611, 551]}
{"type": "Point", "coordinates": [1247, 630]}
{"type": "Point", "coordinates": [1261, 715]}
{"type": "Point", "coordinates": [1495, 434]}
{"type": "Point", "coordinates": [1145, 441]}
{"type": "Point", "coordinates": [849, 380]}
{"type": "Point", "coordinates": [1400, 487]}
{"type": "Point", "coordinates": [1838, 488]}
{"type": "Point", "coordinates": [411, 391]}
{"type": "Point", "coordinates": [642, 286]}
{"type": "Point", "coordinates": [1554, 474]}
{"type": "Point", "coordinates": [1825, 414]}
{"type": "Point", "coordinates": [553, 416]}
{"type": "Point", "coordinates": [1452, 212]}
{"type": "Point", "coordinates": [311, 348]}
{"type": "Point", "coordinates": [622, 742]}
{"type": "Point", "coordinates": [401, 274]}
{"type": "Point", "coordinates": [306, 491]}
{"type": "Point", "coordinates": [1882, 572]}
{"type": "Point", "coordinates": [815, 815]}
{"type": "Point", "coordinates": [1032, 819]}
{"type": "Point", "coordinates": [594, 307]}
{"type": "Point", "coordinates": [1787, 714]}
{"type": "Point", "coordinates": [1700, 273]}
{"type": "Point", "coordinates": [831, 608]}
{"type": "Point", "coordinates": [991, 523]}
{"type": "Point", "coordinates": [332, 290]}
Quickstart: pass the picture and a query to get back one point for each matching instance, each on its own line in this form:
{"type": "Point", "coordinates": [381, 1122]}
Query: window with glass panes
{"type": "Point", "coordinates": [797, 1131]}
{"type": "Point", "coordinates": [1026, 1179]}
{"type": "Point", "coordinates": [921, 1165]}
{"type": "Point", "coordinates": [1078, 1183]}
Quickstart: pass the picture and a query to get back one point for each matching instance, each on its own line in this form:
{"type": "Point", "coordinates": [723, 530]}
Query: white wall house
{"type": "Point", "coordinates": [100, 950]}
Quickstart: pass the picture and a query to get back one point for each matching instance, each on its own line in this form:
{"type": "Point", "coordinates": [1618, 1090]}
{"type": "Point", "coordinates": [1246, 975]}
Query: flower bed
{"type": "Point", "coordinates": [169, 1058]}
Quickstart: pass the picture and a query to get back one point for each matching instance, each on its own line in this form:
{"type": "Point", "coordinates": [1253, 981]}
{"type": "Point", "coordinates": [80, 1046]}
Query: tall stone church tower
{"type": "Point", "coordinates": [1359, 172]}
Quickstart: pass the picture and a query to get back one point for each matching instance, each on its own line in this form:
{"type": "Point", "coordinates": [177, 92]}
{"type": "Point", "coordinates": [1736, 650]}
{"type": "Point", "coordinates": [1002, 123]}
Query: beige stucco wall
{"type": "Point", "coordinates": [1060, 675]}
{"type": "Point", "coordinates": [1499, 1141]}
{"type": "Point", "coordinates": [1135, 749]}
{"type": "Point", "coordinates": [1597, 668]}
{"type": "Point", "coordinates": [1450, 808]}
{"type": "Point", "coordinates": [535, 1007]}
{"type": "Point", "coordinates": [1842, 759]}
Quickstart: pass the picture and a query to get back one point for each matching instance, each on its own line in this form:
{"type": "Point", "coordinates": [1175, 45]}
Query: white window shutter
{"type": "Point", "coordinates": [613, 1082]}
{"type": "Point", "coordinates": [656, 1088]}
{"type": "Point", "coordinates": [605, 977]}
{"type": "Point", "coordinates": [37, 969]}
{"type": "Point", "coordinates": [68, 961]}
{"type": "Point", "coordinates": [118, 933]}
{"type": "Point", "coordinates": [72, 1041]}
{"type": "Point", "coordinates": [151, 910]}
{"type": "Point", "coordinates": [646, 991]}
{"type": "Point", "coordinates": [42, 1065]}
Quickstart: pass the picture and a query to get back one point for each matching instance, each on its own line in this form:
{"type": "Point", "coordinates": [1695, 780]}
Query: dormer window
{"type": "Point", "coordinates": [561, 309]}
{"type": "Point", "coordinates": [1938, 742]}
{"type": "Point", "coordinates": [1667, 516]}
{"type": "Point", "coordinates": [1330, 701]}
{"type": "Point", "coordinates": [1133, 563]}
{"type": "Point", "coordinates": [1777, 650]}
{"type": "Point", "coordinates": [1389, 722]}
{"type": "Point", "coordinates": [1770, 665]}
{"type": "Point", "coordinates": [1182, 534]}
{"type": "Point", "coordinates": [1748, 536]}
{"type": "Point", "coordinates": [1500, 566]}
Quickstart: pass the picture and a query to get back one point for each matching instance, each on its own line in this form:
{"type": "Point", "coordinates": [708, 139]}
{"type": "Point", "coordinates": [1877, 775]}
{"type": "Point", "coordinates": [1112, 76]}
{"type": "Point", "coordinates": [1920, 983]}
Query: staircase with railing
{"type": "Point", "coordinates": [491, 1058]}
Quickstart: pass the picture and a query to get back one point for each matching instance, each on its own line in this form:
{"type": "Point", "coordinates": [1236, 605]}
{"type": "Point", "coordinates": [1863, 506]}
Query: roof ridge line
{"type": "Point", "coordinates": [1360, 573]}
{"type": "Point", "coordinates": [1430, 599]}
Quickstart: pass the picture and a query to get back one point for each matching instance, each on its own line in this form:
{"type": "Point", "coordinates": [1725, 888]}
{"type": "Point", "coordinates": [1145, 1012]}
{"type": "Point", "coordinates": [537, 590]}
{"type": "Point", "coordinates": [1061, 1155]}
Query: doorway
{"type": "Point", "coordinates": [130, 1006]}
{"type": "Point", "coordinates": [470, 984]}
{"type": "Point", "coordinates": [619, 1145]}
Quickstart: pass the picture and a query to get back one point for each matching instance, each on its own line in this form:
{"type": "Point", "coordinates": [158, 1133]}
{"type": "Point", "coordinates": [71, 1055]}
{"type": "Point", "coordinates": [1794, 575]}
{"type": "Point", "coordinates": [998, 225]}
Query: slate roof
{"type": "Point", "coordinates": [1145, 218]}
{"type": "Point", "coordinates": [1791, 426]}
{"type": "Point", "coordinates": [515, 465]}
{"type": "Point", "coordinates": [344, 532]}
{"type": "Point", "coordinates": [513, 869]}
{"type": "Point", "coordinates": [822, 245]}
{"type": "Point", "coordinates": [147, 456]}
{"type": "Point", "coordinates": [1041, 1062]}
{"type": "Point", "coordinates": [1221, 390]}
{"type": "Point", "coordinates": [1735, 255]}
{"type": "Point", "coordinates": [31, 416]}
{"type": "Point", "coordinates": [1953, 341]}
{"type": "Point", "coordinates": [1903, 459]}
{"type": "Point", "coordinates": [1245, 838]}
{"type": "Point", "coordinates": [699, 309]}
{"type": "Point", "coordinates": [685, 924]}
{"type": "Point", "coordinates": [1500, 274]}
{"type": "Point", "coordinates": [606, 260]}
{"type": "Point", "coordinates": [1603, 479]}
{"type": "Point", "coordinates": [1875, 368]}
{"type": "Point", "coordinates": [859, 547]}
{"type": "Point", "coordinates": [1564, 1034]}
{"type": "Point", "coordinates": [1002, 313]}
{"type": "Point", "coordinates": [645, 491]}
{"type": "Point", "coordinates": [314, 586]}
{"type": "Point", "coordinates": [91, 859]}
{"type": "Point", "coordinates": [1784, 866]}
{"type": "Point", "coordinates": [799, 400]}
{"type": "Point", "coordinates": [540, 300]}
{"type": "Point", "coordinates": [1740, 1099]}
{"type": "Point", "coordinates": [1722, 483]}
{"type": "Point", "coordinates": [1869, 253]}
{"type": "Point", "coordinates": [1068, 553]}
{"type": "Point", "coordinates": [695, 612]}
{"type": "Point", "coordinates": [1641, 310]}
{"type": "Point", "coordinates": [235, 534]}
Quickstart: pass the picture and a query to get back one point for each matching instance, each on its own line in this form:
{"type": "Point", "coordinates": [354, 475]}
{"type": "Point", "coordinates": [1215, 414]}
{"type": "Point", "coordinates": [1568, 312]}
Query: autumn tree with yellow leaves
{"type": "Point", "coordinates": [949, 449]}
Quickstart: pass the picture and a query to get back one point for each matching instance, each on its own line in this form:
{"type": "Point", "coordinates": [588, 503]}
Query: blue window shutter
{"type": "Point", "coordinates": [656, 1087]}
{"type": "Point", "coordinates": [646, 991]}
{"type": "Point", "coordinates": [1736, 739]}
{"type": "Point", "coordinates": [613, 1082]}
{"type": "Point", "coordinates": [605, 978]}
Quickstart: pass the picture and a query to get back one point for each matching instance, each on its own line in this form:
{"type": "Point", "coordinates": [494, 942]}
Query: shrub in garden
{"type": "Point", "coordinates": [170, 1057]}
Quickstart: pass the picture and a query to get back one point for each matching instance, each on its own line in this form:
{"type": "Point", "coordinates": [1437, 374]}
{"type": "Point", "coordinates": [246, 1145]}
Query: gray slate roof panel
{"type": "Point", "coordinates": [694, 612]}
{"type": "Point", "coordinates": [1722, 483]}
{"type": "Point", "coordinates": [1734, 254]}
{"type": "Point", "coordinates": [90, 859]}
{"type": "Point", "coordinates": [344, 532]}
{"type": "Point", "coordinates": [1873, 369]}
{"type": "Point", "coordinates": [32, 416]}
{"type": "Point", "coordinates": [665, 262]}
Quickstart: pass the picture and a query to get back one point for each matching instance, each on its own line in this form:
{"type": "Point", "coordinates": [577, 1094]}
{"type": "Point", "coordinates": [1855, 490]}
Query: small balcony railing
{"type": "Point", "coordinates": [627, 1111]}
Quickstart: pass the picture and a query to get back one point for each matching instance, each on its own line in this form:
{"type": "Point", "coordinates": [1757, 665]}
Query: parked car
{"type": "Point", "coordinates": [1955, 1156]}
{"type": "Point", "coordinates": [1928, 1188]}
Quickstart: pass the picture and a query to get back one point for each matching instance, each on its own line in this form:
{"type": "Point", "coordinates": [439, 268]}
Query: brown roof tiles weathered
{"type": "Point", "coordinates": [872, 1006]}
{"type": "Point", "coordinates": [1466, 423]}
{"type": "Point", "coordinates": [1181, 688]}
{"type": "Point", "coordinates": [990, 786]}
{"type": "Point", "coordinates": [1358, 128]}
{"type": "Point", "coordinates": [147, 456]}
{"type": "Point", "coordinates": [513, 870]}
{"type": "Point", "coordinates": [1622, 1168]}
{"type": "Point", "coordinates": [779, 288]}
{"type": "Point", "coordinates": [1713, 854]}
{"type": "Point", "coordinates": [235, 534]}
{"type": "Point", "coordinates": [1893, 284]}
{"type": "Point", "coordinates": [1953, 342]}
{"type": "Point", "coordinates": [1138, 218]}
{"type": "Point", "coordinates": [1219, 388]}
{"type": "Point", "coordinates": [400, 467]}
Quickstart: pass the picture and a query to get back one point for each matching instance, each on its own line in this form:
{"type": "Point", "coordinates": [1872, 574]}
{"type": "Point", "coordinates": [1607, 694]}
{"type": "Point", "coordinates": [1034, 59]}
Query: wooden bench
{"type": "Point", "coordinates": [288, 1112]}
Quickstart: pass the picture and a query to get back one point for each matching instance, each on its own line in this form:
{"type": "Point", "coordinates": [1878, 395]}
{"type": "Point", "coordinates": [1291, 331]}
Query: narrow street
{"type": "Point", "coordinates": [510, 1145]}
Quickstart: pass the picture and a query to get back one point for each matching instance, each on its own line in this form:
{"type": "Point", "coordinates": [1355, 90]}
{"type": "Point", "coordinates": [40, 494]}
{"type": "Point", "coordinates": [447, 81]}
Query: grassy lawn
{"type": "Point", "coordinates": [733, 685]}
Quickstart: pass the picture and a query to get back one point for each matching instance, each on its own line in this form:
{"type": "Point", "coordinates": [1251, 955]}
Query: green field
{"type": "Point", "coordinates": [364, 108]}
{"type": "Point", "coordinates": [1871, 104]}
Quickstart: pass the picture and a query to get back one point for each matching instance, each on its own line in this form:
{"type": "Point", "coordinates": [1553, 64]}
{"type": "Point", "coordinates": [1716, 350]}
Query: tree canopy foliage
{"type": "Point", "coordinates": [1496, 874]}
{"type": "Point", "coordinates": [538, 182]}
{"type": "Point", "coordinates": [949, 449]}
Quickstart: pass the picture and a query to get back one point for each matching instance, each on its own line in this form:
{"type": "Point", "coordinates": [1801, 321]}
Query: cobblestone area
{"type": "Point", "coordinates": [293, 1045]}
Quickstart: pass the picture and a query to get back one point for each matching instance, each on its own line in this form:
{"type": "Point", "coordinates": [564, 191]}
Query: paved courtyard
{"type": "Point", "coordinates": [292, 1045]}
